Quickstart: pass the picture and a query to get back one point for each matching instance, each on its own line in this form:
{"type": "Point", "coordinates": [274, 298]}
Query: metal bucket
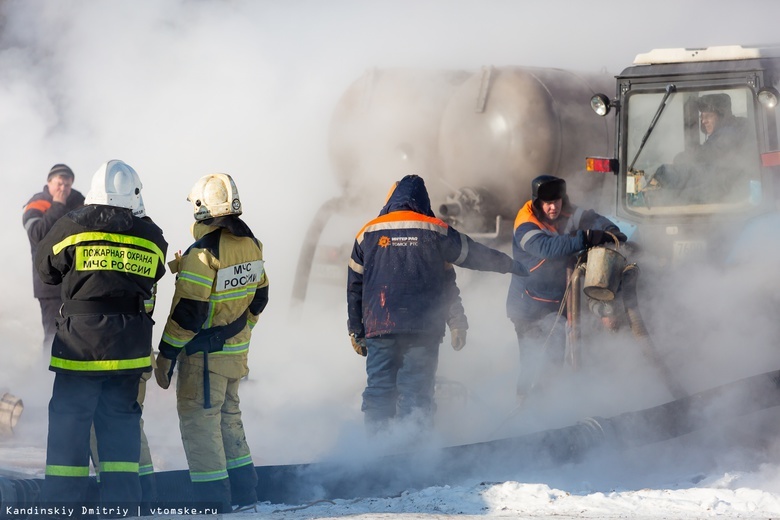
{"type": "Point", "coordinates": [11, 408]}
{"type": "Point", "coordinates": [602, 275]}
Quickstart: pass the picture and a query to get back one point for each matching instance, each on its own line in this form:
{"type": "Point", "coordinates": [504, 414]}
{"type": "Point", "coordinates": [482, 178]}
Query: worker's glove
{"type": "Point", "coordinates": [519, 269]}
{"type": "Point", "coordinates": [163, 370]}
{"type": "Point", "coordinates": [597, 237]}
{"type": "Point", "coordinates": [458, 337]}
{"type": "Point", "coordinates": [359, 344]}
{"type": "Point", "coordinates": [620, 236]}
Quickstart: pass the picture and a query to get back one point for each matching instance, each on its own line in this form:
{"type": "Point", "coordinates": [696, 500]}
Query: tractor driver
{"type": "Point", "coordinates": [712, 170]}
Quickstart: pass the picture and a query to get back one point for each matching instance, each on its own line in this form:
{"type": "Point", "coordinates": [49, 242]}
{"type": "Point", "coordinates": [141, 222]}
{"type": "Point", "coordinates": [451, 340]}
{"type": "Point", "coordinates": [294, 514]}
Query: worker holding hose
{"type": "Point", "coordinates": [548, 231]}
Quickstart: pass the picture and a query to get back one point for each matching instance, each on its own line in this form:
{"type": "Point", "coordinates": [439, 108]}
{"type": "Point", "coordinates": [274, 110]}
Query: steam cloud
{"type": "Point", "coordinates": [181, 88]}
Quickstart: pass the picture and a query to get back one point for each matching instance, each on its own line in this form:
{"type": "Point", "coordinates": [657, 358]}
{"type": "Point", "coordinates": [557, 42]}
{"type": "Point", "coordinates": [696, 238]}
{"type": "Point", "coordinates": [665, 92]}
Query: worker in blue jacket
{"type": "Point", "coordinates": [548, 232]}
{"type": "Point", "coordinates": [399, 297]}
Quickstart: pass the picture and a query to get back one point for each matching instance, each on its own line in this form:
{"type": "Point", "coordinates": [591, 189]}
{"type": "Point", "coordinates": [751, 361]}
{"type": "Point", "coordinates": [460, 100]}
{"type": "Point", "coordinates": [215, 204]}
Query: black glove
{"type": "Point", "coordinates": [620, 236]}
{"type": "Point", "coordinates": [596, 237]}
{"type": "Point", "coordinates": [519, 269]}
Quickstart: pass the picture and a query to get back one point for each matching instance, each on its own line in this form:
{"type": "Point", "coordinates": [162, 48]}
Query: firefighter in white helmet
{"type": "Point", "coordinates": [221, 289]}
{"type": "Point", "coordinates": [107, 258]}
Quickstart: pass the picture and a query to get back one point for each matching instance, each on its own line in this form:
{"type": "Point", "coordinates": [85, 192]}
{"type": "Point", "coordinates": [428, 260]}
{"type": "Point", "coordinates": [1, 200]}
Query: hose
{"type": "Point", "coordinates": [384, 476]}
{"type": "Point", "coordinates": [638, 329]}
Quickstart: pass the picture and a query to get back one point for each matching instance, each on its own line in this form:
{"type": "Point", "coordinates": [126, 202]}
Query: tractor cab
{"type": "Point", "coordinates": [696, 145]}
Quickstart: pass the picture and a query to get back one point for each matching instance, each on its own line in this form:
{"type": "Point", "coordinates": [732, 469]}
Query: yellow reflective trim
{"type": "Point", "coordinates": [115, 258]}
{"type": "Point", "coordinates": [208, 476]}
{"type": "Point", "coordinates": [195, 278]}
{"type": "Point", "coordinates": [118, 467]}
{"type": "Point", "coordinates": [101, 364]}
{"type": "Point", "coordinates": [108, 237]}
{"type": "Point", "coordinates": [67, 471]}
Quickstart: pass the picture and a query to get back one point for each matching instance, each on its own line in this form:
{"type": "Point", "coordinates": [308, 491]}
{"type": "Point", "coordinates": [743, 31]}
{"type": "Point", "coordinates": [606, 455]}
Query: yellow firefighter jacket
{"type": "Point", "coordinates": [220, 281]}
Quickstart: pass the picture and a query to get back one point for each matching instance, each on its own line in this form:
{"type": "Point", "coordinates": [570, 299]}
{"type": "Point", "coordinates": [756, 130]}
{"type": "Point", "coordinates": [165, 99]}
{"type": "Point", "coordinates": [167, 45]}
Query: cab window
{"type": "Point", "coordinates": [700, 156]}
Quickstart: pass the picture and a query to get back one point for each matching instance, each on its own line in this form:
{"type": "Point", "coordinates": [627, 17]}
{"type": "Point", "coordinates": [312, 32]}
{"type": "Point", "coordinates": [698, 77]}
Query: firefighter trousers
{"type": "Point", "coordinates": [145, 464]}
{"type": "Point", "coordinates": [110, 402]}
{"type": "Point", "coordinates": [220, 464]}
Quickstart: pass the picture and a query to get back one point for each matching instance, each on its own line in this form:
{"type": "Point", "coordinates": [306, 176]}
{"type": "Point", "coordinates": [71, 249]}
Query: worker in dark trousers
{"type": "Point", "coordinates": [40, 213]}
{"type": "Point", "coordinates": [107, 258]}
{"type": "Point", "coordinates": [549, 231]}
{"type": "Point", "coordinates": [400, 292]}
{"type": "Point", "coordinates": [221, 289]}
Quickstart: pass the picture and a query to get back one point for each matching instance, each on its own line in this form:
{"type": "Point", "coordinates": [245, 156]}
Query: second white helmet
{"type": "Point", "coordinates": [117, 184]}
{"type": "Point", "coordinates": [214, 195]}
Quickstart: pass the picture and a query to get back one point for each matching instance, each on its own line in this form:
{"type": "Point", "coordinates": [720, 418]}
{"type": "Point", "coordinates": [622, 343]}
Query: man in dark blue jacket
{"type": "Point", "coordinates": [399, 296]}
{"type": "Point", "coordinates": [41, 212]}
{"type": "Point", "coordinates": [549, 231]}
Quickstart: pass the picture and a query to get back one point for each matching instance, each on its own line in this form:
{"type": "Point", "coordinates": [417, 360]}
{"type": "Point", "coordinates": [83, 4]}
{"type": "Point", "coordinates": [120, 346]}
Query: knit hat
{"type": "Point", "coordinates": [61, 170]}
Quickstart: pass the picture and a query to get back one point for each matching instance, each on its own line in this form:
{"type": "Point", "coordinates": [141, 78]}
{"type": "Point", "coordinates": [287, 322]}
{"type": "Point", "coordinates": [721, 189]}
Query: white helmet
{"type": "Point", "coordinates": [214, 195]}
{"type": "Point", "coordinates": [117, 184]}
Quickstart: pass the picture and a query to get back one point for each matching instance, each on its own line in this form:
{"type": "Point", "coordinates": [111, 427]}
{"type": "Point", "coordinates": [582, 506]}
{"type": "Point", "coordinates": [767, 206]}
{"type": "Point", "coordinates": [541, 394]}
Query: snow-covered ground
{"type": "Point", "coordinates": [181, 88]}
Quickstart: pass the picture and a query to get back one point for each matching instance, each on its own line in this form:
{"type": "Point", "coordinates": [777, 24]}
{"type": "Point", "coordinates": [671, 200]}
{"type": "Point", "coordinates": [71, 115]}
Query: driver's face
{"type": "Point", "coordinates": [552, 209]}
{"type": "Point", "coordinates": [709, 122]}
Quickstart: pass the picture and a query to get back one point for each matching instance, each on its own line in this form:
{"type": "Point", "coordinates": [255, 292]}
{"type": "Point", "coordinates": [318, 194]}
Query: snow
{"type": "Point", "coordinates": [181, 88]}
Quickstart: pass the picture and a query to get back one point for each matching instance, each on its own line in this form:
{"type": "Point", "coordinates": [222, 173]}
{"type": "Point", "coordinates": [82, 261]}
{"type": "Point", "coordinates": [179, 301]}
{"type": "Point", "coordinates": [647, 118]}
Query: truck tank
{"type": "Point", "coordinates": [385, 126]}
{"type": "Point", "coordinates": [504, 126]}
{"type": "Point", "coordinates": [489, 132]}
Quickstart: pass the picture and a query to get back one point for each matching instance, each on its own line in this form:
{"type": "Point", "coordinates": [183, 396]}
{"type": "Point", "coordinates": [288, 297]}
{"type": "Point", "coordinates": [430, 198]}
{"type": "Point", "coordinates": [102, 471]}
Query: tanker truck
{"type": "Point", "coordinates": [476, 137]}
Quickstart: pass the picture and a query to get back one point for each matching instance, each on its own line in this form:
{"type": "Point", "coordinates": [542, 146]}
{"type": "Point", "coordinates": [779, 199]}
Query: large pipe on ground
{"type": "Point", "coordinates": [383, 476]}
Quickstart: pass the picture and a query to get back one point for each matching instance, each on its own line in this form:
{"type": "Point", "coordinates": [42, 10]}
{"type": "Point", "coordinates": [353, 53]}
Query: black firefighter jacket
{"type": "Point", "coordinates": [105, 256]}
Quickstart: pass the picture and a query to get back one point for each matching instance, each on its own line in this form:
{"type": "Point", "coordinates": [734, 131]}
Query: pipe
{"type": "Point", "coordinates": [309, 247]}
{"type": "Point", "coordinates": [638, 329]}
{"type": "Point", "coordinates": [573, 313]}
{"type": "Point", "coordinates": [384, 476]}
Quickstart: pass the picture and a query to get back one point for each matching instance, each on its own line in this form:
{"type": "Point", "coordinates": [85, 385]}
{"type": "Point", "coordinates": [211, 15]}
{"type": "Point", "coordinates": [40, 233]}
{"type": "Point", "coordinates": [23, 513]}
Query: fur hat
{"type": "Point", "coordinates": [718, 103]}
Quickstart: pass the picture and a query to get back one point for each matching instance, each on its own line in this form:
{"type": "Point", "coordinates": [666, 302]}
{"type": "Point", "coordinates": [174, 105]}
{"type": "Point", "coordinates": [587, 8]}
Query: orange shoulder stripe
{"type": "Point", "coordinates": [41, 205]}
{"type": "Point", "coordinates": [526, 214]}
{"type": "Point", "coordinates": [402, 216]}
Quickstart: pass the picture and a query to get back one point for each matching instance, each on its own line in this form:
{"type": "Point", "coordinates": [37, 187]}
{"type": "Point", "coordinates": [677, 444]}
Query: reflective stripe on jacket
{"type": "Point", "coordinates": [40, 214]}
{"type": "Point", "coordinates": [220, 278]}
{"type": "Point", "coordinates": [545, 249]}
{"type": "Point", "coordinates": [397, 278]}
{"type": "Point", "coordinates": [106, 261]}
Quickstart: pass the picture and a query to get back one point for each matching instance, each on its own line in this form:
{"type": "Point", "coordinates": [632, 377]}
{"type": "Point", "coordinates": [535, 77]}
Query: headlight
{"type": "Point", "coordinates": [600, 104]}
{"type": "Point", "coordinates": [768, 96]}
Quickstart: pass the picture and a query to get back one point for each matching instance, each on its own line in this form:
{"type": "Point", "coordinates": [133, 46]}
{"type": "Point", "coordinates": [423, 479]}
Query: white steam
{"type": "Point", "coordinates": [182, 88]}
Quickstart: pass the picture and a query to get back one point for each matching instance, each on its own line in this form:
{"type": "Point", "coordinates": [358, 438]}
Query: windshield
{"type": "Point", "coordinates": [701, 155]}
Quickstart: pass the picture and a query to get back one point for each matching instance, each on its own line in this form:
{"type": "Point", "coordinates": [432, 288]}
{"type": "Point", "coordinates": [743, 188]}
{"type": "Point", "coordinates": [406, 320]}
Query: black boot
{"type": "Point", "coordinates": [213, 495]}
{"type": "Point", "coordinates": [148, 493]}
{"type": "Point", "coordinates": [243, 485]}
